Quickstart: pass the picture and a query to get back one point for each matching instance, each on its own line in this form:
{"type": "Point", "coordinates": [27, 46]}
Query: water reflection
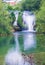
{"type": "Point", "coordinates": [16, 36]}
{"type": "Point", "coordinates": [29, 41]}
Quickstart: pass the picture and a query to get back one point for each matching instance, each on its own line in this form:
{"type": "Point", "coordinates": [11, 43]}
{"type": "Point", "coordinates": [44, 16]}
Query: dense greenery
{"type": "Point", "coordinates": [41, 17]}
{"type": "Point", "coordinates": [5, 19]}
{"type": "Point", "coordinates": [20, 22]}
{"type": "Point", "coordinates": [31, 5]}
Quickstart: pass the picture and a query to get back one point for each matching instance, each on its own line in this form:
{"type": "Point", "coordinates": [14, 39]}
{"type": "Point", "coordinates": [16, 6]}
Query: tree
{"type": "Point", "coordinates": [41, 17]}
{"type": "Point", "coordinates": [5, 26]}
{"type": "Point", "coordinates": [31, 5]}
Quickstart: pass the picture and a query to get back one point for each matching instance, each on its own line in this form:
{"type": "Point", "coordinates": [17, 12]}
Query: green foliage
{"type": "Point", "coordinates": [31, 5]}
{"type": "Point", "coordinates": [20, 21]}
{"type": "Point", "coordinates": [12, 16]}
{"type": "Point", "coordinates": [9, 8]}
{"type": "Point", "coordinates": [39, 58]}
{"type": "Point", "coordinates": [5, 26]}
{"type": "Point", "coordinates": [18, 6]}
{"type": "Point", "coordinates": [41, 17]}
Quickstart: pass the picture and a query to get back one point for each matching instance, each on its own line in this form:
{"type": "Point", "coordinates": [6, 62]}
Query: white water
{"type": "Point", "coordinates": [16, 15]}
{"type": "Point", "coordinates": [29, 21]}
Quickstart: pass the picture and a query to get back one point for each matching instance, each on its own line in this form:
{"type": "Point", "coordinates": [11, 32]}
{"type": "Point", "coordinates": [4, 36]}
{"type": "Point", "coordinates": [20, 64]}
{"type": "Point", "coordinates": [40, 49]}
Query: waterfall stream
{"type": "Point", "coordinates": [29, 20]}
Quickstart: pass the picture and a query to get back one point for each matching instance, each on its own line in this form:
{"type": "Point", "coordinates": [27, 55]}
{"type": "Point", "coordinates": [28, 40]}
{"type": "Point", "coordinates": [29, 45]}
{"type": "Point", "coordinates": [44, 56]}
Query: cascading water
{"type": "Point", "coordinates": [14, 57]}
{"type": "Point", "coordinates": [16, 15]}
{"type": "Point", "coordinates": [29, 20]}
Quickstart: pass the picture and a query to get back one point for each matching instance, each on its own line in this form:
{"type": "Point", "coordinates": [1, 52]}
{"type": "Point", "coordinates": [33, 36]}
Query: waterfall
{"type": "Point", "coordinates": [29, 20]}
{"type": "Point", "coordinates": [16, 15]}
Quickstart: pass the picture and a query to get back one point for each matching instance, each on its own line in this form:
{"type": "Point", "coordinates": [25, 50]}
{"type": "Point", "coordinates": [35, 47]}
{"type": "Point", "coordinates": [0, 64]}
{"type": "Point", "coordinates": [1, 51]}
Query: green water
{"type": "Point", "coordinates": [7, 42]}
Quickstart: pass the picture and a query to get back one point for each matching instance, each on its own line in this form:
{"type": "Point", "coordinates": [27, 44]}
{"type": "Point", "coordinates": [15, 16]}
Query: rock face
{"type": "Point", "coordinates": [17, 28]}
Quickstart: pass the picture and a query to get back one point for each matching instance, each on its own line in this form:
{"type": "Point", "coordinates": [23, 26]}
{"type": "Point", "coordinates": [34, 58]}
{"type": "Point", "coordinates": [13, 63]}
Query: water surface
{"type": "Point", "coordinates": [37, 42]}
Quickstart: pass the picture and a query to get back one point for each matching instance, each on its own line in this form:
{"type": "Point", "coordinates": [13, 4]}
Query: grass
{"type": "Point", "coordinates": [1, 60]}
{"type": "Point", "coordinates": [39, 58]}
